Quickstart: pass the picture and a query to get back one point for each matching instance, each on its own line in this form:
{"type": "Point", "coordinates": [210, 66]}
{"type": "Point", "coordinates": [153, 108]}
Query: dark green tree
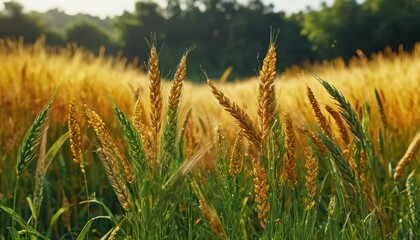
{"type": "Point", "coordinates": [14, 23]}
{"type": "Point", "coordinates": [88, 34]}
{"type": "Point", "coordinates": [338, 30]}
{"type": "Point", "coordinates": [137, 26]}
{"type": "Point", "coordinates": [395, 23]}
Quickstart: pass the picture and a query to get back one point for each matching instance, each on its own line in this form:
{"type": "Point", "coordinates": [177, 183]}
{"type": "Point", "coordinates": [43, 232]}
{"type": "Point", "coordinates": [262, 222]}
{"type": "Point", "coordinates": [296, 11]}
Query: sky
{"type": "Point", "coordinates": [104, 8]}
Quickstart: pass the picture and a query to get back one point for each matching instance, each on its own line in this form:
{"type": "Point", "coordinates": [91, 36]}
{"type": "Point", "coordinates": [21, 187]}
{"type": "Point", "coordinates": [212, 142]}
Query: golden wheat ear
{"type": "Point", "coordinates": [290, 163]}
{"type": "Point", "coordinates": [177, 84]}
{"type": "Point", "coordinates": [108, 142]}
{"type": "Point", "coordinates": [321, 119]}
{"type": "Point", "coordinates": [155, 98]}
{"type": "Point", "coordinates": [340, 124]}
{"type": "Point", "coordinates": [408, 156]}
{"type": "Point", "coordinates": [236, 161]}
{"type": "Point", "coordinates": [120, 189]}
{"type": "Point", "coordinates": [140, 124]}
{"type": "Point", "coordinates": [311, 166]}
{"type": "Point", "coordinates": [261, 188]}
{"type": "Point", "coordinates": [266, 93]}
{"type": "Point", "coordinates": [75, 136]}
{"type": "Point", "coordinates": [243, 119]}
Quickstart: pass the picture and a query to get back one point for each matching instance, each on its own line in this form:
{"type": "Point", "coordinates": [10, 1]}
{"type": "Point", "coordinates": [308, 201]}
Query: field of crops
{"type": "Point", "coordinates": [93, 148]}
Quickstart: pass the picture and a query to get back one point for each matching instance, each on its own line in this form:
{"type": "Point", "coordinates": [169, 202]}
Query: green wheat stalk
{"type": "Point", "coordinates": [135, 146]}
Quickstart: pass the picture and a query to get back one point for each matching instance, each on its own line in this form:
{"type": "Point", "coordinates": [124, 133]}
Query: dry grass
{"type": "Point", "coordinates": [42, 68]}
{"type": "Point", "coordinates": [378, 135]}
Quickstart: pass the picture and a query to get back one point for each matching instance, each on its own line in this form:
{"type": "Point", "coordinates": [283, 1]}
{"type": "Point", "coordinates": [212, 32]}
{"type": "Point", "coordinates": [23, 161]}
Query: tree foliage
{"type": "Point", "coordinates": [87, 34]}
{"type": "Point", "coordinates": [230, 32]}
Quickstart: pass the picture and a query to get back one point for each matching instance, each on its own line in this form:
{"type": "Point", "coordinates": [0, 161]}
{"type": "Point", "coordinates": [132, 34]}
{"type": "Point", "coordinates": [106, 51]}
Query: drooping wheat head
{"type": "Point", "coordinates": [243, 120]}
{"type": "Point", "coordinates": [75, 136]}
{"type": "Point", "coordinates": [311, 166]}
{"type": "Point", "coordinates": [266, 93]}
{"type": "Point", "coordinates": [321, 119]}
{"type": "Point", "coordinates": [236, 159]}
{"type": "Point", "coordinates": [340, 124]}
{"type": "Point", "coordinates": [120, 189]}
{"type": "Point", "coordinates": [408, 156]}
{"type": "Point", "coordinates": [108, 142]}
{"type": "Point", "coordinates": [215, 225]}
{"type": "Point", "coordinates": [346, 112]}
{"type": "Point", "coordinates": [315, 139]}
{"type": "Point", "coordinates": [261, 188]}
{"type": "Point", "coordinates": [345, 172]}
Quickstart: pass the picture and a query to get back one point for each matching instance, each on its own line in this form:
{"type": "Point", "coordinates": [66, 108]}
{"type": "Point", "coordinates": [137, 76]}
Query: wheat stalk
{"type": "Point", "coordinates": [108, 142]}
{"type": "Point", "coordinates": [261, 188]}
{"type": "Point", "coordinates": [40, 174]}
{"type": "Point", "coordinates": [114, 233]}
{"type": "Point", "coordinates": [346, 111]}
{"type": "Point", "coordinates": [171, 123]}
{"type": "Point", "coordinates": [315, 139]}
{"type": "Point", "coordinates": [32, 139]}
{"type": "Point", "coordinates": [155, 98]}
{"type": "Point", "coordinates": [266, 93]}
{"type": "Point", "coordinates": [117, 184]}
{"type": "Point", "coordinates": [412, 199]}
{"type": "Point", "coordinates": [66, 216]}
{"type": "Point", "coordinates": [177, 84]}
{"type": "Point", "coordinates": [140, 127]}
{"type": "Point", "coordinates": [381, 108]}
{"type": "Point", "coordinates": [362, 174]}
{"type": "Point", "coordinates": [340, 124]}
{"type": "Point", "coordinates": [311, 165]}
{"type": "Point", "coordinates": [346, 173]}
{"type": "Point", "coordinates": [322, 121]}
{"type": "Point", "coordinates": [408, 156]}
{"type": "Point", "coordinates": [135, 146]}
{"type": "Point", "coordinates": [236, 161]}
{"type": "Point", "coordinates": [212, 218]}
{"type": "Point", "coordinates": [290, 163]}
{"type": "Point", "coordinates": [243, 120]}
{"type": "Point", "coordinates": [75, 136]}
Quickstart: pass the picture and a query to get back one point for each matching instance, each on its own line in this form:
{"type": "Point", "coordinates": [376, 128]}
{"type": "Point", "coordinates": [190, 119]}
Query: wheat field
{"type": "Point", "coordinates": [322, 151]}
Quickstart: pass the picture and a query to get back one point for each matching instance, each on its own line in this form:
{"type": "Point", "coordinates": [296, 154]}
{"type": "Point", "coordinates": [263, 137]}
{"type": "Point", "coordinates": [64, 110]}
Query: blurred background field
{"type": "Point", "coordinates": [358, 46]}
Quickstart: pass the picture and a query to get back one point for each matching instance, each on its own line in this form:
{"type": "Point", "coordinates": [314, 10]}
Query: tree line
{"type": "Point", "coordinates": [228, 33]}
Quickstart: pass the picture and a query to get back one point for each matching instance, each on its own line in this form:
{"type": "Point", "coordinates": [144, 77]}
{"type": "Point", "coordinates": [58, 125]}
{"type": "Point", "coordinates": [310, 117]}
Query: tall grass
{"type": "Point", "coordinates": [305, 159]}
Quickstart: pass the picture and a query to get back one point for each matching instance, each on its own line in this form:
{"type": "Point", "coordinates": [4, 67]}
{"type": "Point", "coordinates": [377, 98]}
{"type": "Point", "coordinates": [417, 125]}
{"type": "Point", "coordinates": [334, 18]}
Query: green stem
{"type": "Point", "coordinates": [87, 193]}
{"type": "Point", "coordinates": [15, 199]}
